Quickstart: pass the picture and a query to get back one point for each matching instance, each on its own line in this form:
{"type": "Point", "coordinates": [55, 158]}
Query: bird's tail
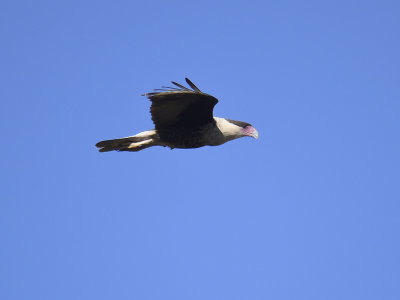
{"type": "Point", "coordinates": [134, 143]}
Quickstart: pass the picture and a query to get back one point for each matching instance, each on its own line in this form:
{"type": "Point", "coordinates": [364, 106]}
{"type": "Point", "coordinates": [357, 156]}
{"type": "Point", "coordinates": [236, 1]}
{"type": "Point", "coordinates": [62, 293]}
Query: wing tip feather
{"type": "Point", "coordinates": [181, 88]}
{"type": "Point", "coordinates": [192, 85]}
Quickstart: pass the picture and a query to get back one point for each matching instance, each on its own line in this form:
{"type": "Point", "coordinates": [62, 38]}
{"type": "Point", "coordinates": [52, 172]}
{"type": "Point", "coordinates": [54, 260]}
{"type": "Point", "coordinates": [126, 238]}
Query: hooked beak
{"type": "Point", "coordinates": [254, 134]}
{"type": "Point", "coordinates": [250, 131]}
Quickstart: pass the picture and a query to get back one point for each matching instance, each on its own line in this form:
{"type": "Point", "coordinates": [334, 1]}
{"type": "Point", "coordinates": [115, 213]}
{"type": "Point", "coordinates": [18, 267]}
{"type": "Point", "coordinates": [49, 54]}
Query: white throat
{"type": "Point", "coordinates": [228, 129]}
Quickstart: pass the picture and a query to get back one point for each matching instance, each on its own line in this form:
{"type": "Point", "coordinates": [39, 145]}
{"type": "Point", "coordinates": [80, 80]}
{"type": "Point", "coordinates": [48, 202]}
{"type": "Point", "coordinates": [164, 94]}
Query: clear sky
{"type": "Point", "coordinates": [310, 210]}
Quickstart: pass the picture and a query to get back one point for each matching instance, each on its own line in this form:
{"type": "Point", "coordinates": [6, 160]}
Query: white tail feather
{"type": "Point", "coordinates": [136, 142]}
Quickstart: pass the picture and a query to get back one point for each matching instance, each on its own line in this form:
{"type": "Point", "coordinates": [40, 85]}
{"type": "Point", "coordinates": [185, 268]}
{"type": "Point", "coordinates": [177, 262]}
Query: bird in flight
{"type": "Point", "coordinates": [183, 118]}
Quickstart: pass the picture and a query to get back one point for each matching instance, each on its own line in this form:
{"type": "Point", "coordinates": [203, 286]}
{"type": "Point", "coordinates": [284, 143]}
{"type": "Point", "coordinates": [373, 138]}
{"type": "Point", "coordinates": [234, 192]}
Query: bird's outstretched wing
{"type": "Point", "coordinates": [181, 107]}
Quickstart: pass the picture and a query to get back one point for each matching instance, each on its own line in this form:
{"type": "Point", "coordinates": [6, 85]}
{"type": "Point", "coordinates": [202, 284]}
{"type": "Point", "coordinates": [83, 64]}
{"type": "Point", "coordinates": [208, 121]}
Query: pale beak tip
{"type": "Point", "coordinates": [255, 134]}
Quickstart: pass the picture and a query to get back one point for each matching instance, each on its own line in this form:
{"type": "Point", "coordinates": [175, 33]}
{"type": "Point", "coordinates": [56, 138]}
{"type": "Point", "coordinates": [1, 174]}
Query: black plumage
{"type": "Point", "coordinates": [183, 118]}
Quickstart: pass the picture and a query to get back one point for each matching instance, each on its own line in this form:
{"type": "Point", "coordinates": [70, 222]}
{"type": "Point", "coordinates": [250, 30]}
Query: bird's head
{"type": "Point", "coordinates": [235, 129]}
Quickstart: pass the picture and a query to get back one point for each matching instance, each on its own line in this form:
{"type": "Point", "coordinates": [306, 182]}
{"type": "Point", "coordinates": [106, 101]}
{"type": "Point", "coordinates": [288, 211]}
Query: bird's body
{"type": "Point", "coordinates": [183, 119]}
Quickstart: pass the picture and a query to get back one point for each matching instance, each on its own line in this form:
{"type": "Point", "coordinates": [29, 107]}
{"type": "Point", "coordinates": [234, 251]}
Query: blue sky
{"type": "Point", "coordinates": [308, 211]}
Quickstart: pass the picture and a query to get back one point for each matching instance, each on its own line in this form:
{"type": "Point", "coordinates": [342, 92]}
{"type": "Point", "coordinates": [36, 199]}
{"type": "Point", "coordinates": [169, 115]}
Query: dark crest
{"type": "Point", "coordinates": [239, 123]}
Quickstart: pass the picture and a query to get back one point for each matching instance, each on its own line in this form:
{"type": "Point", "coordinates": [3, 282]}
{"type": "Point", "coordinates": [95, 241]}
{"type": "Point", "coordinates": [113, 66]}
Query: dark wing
{"type": "Point", "coordinates": [181, 107]}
